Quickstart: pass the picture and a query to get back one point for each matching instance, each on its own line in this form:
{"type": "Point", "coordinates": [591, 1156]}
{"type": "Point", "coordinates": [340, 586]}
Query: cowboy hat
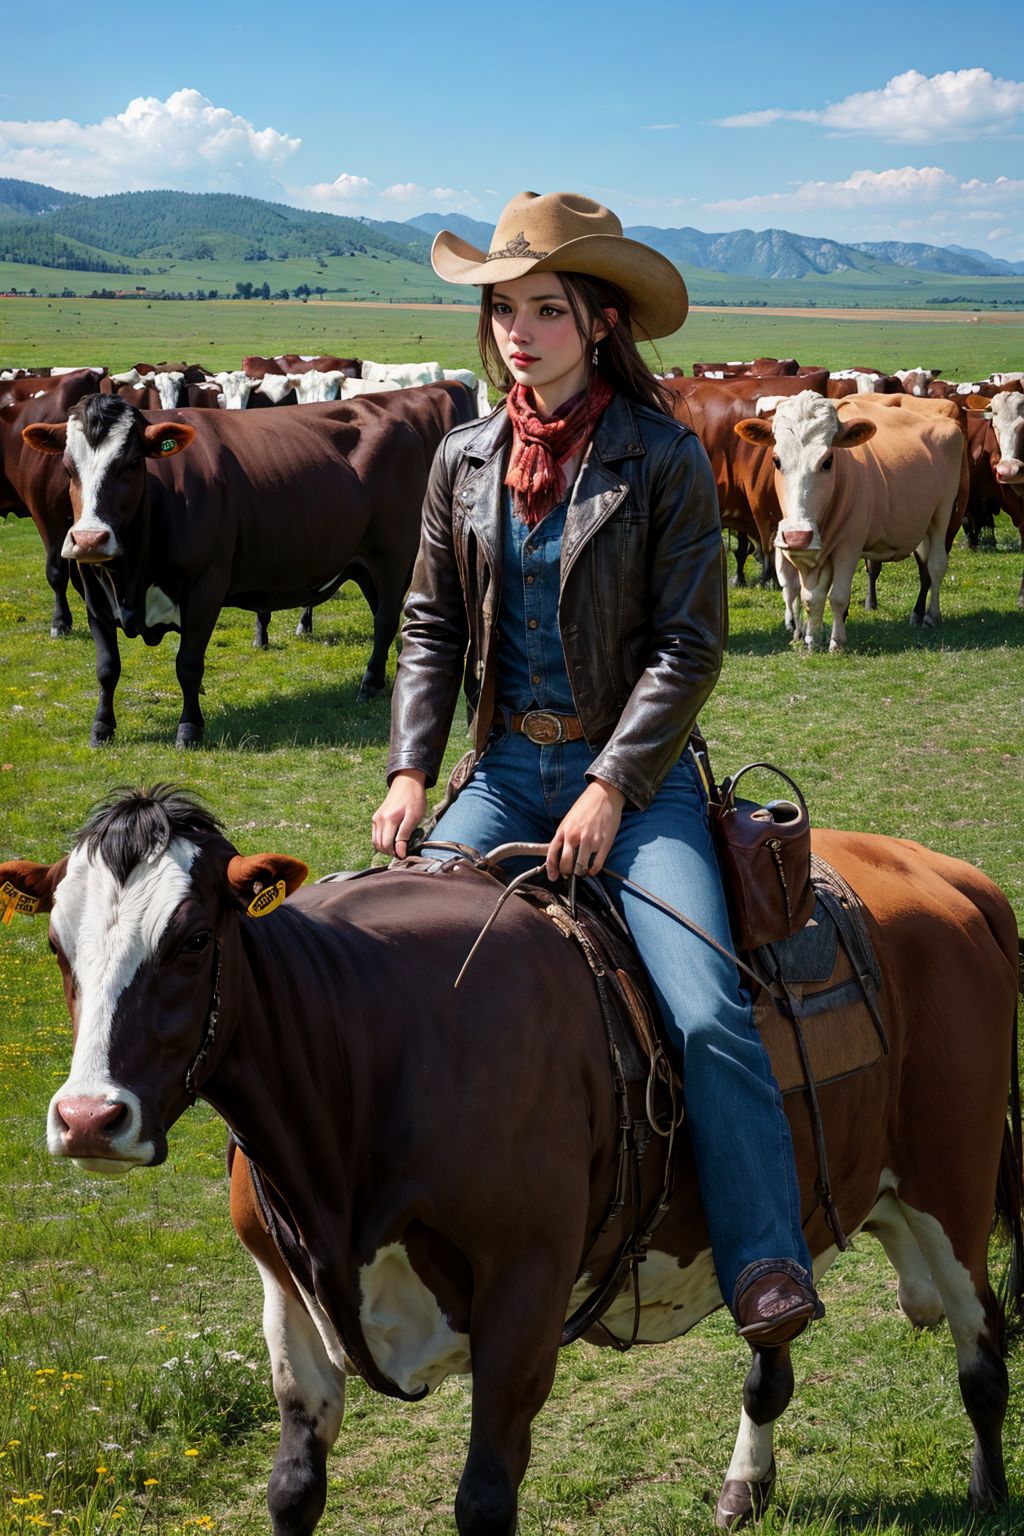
{"type": "Point", "coordinates": [564, 232]}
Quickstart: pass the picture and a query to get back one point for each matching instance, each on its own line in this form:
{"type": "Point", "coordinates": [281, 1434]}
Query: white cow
{"type": "Point", "coordinates": [884, 501]}
{"type": "Point", "coordinates": [402, 375]}
{"type": "Point", "coordinates": [168, 388]}
{"type": "Point", "coordinates": [315, 386]}
{"type": "Point", "coordinates": [235, 389]}
{"type": "Point", "coordinates": [477, 387]}
{"type": "Point", "coordinates": [351, 388]}
{"type": "Point", "coordinates": [276, 385]}
{"type": "Point", "coordinates": [915, 381]}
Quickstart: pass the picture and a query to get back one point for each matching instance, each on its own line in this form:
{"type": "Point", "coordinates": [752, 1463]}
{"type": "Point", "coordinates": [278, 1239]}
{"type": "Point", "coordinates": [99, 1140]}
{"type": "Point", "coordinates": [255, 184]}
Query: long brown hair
{"type": "Point", "coordinates": [618, 357]}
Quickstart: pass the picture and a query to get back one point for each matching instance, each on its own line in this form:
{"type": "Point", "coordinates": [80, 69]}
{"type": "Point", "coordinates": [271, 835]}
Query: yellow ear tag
{"type": "Point", "coordinates": [16, 901]}
{"type": "Point", "coordinates": [268, 900]}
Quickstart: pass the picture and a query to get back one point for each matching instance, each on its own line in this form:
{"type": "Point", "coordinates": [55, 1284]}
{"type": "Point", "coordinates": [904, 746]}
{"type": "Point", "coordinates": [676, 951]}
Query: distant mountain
{"type": "Point", "coordinates": [44, 227]}
{"type": "Point", "coordinates": [101, 233]}
{"type": "Point", "coordinates": [20, 199]}
{"type": "Point", "coordinates": [752, 253]}
{"type": "Point", "coordinates": [473, 230]}
{"type": "Point", "coordinates": [994, 266]}
{"type": "Point", "coordinates": [929, 258]}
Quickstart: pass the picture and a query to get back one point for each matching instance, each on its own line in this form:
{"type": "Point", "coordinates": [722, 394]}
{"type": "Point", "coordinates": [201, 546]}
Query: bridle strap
{"type": "Point", "coordinates": [206, 1044]}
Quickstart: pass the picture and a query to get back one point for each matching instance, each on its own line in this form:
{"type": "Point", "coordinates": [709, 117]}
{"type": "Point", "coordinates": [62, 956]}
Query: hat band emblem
{"type": "Point", "coordinates": [517, 246]}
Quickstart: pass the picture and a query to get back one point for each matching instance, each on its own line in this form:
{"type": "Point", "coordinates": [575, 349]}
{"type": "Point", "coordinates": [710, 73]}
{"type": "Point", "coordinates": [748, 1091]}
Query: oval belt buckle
{"type": "Point", "coordinates": [543, 727]}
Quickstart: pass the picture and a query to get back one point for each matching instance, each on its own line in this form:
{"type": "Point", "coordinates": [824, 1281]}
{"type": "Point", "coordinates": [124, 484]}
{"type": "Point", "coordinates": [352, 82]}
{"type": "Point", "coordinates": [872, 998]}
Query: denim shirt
{"type": "Point", "coordinates": [531, 670]}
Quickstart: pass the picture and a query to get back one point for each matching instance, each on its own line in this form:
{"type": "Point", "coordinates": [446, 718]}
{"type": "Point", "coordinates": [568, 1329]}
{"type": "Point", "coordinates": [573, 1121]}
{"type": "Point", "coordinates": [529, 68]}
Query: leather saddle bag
{"type": "Point", "coordinates": [765, 855]}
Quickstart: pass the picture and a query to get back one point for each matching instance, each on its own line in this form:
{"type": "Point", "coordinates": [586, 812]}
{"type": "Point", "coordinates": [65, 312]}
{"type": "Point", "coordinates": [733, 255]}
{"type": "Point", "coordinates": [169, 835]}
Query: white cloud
{"type": "Point", "coordinates": [359, 196]}
{"type": "Point", "coordinates": [912, 108]}
{"type": "Point", "coordinates": [658, 127]}
{"type": "Point", "coordinates": [859, 190]}
{"type": "Point", "coordinates": [186, 142]}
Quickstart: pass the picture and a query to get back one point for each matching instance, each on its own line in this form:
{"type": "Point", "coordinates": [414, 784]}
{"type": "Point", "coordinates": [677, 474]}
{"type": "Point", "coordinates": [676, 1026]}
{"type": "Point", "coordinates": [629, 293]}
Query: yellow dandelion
{"type": "Point", "coordinates": [12, 1443]}
{"type": "Point", "coordinates": [150, 1482]}
{"type": "Point", "coordinates": [100, 1471]}
{"type": "Point", "coordinates": [35, 1497]}
{"type": "Point", "coordinates": [192, 1452]}
{"type": "Point", "coordinates": [15, 1500]}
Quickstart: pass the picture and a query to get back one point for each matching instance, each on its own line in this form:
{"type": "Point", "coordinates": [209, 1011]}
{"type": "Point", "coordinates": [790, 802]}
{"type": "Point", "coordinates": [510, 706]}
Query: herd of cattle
{"type": "Point", "coordinates": [814, 469]}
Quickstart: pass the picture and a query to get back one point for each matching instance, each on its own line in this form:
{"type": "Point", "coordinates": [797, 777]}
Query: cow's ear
{"type": "Point", "coordinates": [852, 433]}
{"type": "Point", "coordinates": [754, 431]}
{"type": "Point", "coordinates": [164, 438]}
{"type": "Point", "coordinates": [977, 402]}
{"type": "Point", "coordinates": [28, 888]}
{"type": "Point", "coordinates": [261, 881]}
{"type": "Point", "coordinates": [46, 436]}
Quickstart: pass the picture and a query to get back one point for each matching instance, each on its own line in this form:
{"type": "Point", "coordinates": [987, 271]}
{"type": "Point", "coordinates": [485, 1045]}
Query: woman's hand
{"type": "Point", "coordinates": [400, 813]}
{"type": "Point", "coordinates": [585, 837]}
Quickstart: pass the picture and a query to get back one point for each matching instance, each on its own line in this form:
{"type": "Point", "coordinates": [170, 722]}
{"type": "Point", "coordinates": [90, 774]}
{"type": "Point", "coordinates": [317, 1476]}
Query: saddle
{"type": "Point", "coordinates": [816, 1005]}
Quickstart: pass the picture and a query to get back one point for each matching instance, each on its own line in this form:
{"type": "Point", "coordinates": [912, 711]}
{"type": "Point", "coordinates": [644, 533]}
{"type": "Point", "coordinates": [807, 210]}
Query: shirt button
{"type": "Point", "coordinates": [535, 678]}
{"type": "Point", "coordinates": [533, 623]}
{"type": "Point", "coordinates": [530, 580]}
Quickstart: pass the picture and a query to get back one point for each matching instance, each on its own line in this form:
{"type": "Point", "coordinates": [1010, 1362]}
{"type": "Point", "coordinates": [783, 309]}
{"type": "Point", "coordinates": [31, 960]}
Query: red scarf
{"type": "Point", "coordinates": [540, 447]}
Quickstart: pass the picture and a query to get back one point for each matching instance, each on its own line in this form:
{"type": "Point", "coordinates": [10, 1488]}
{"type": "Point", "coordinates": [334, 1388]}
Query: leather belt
{"type": "Point", "coordinates": [544, 728]}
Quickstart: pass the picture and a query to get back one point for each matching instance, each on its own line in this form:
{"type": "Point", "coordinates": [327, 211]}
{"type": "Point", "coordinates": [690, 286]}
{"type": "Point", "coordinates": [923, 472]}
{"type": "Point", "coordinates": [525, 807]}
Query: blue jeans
{"type": "Point", "coordinates": [520, 792]}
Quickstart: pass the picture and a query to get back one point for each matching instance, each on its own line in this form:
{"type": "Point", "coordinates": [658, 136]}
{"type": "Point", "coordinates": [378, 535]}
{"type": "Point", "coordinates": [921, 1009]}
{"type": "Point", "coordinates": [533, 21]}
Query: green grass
{"type": "Point", "coordinates": [129, 1315]}
{"type": "Point", "coordinates": [42, 332]}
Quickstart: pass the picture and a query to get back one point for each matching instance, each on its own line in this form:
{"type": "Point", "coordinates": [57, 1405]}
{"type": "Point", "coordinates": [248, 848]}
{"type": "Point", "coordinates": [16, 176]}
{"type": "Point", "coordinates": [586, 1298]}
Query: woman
{"type": "Point", "coordinates": [570, 573]}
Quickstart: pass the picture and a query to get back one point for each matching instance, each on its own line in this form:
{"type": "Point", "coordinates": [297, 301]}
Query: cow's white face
{"type": "Point", "coordinates": [105, 932]}
{"type": "Point", "coordinates": [1008, 422]}
{"type": "Point", "coordinates": [91, 536]}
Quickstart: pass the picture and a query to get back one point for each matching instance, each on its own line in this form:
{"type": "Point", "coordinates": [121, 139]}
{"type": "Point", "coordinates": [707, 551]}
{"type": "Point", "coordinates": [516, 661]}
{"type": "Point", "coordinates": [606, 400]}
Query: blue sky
{"type": "Point", "coordinates": [857, 122]}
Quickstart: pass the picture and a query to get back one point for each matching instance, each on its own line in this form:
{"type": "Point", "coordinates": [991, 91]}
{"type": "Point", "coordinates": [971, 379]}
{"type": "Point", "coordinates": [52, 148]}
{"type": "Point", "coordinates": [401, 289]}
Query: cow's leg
{"type": "Point", "coordinates": [974, 1321]}
{"type": "Point", "coordinates": [198, 616]}
{"type": "Point", "coordinates": [741, 553]}
{"type": "Point", "coordinates": [839, 602]}
{"type": "Point", "coordinates": [108, 671]}
{"type": "Point", "coordinates": [751, 1475]}
{"type": "Point", "coordinates": [304, 628]}
{"type": "Point", "coordinates": [261, 637]}
{"type": "Point", "coordinates": [925, 581]}
{"type": "Point", "coordinates": [916, 1290]}
{"type": "Point", "coordinates": [874, 570]}
{"type": "Point", "coordinates": [768, 577]}
{"type": "Point", "coordinates": [57, 576]}
{"type": "Point", "coordinates": [514, 1335]}
{"type": "Point", "coordinates": [813, 600]}
{"type": "Point", "coordinates": [1020, 594]}
{"type": "Point", "coordinates": [789, 581]}
{"type": "Point", "coordinates": [932, 552]}
{"type": "Point", "coordinates": [309, 1388]}
{"type": "Point", "coordinates": [386, 604]}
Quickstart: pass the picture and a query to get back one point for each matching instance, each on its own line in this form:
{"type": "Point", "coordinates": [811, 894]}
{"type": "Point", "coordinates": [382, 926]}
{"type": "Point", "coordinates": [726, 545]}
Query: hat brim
{"type": "Point", "coordinates": [654, 287]}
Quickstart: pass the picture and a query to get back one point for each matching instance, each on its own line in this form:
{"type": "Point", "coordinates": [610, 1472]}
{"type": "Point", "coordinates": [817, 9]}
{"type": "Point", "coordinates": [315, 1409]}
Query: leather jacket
{"type": "Point", "coordinates": [642, 609]}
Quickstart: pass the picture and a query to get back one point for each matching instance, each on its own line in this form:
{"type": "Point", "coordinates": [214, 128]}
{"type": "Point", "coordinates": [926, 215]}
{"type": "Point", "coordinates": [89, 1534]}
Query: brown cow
{"type": "Point", "coordinates": [744, 479]}
{"type": "Point", "coordinates": [437, 1180]}
{"type": "Point", "coordinates": [178, 514]}
{"type": "Point", "coordinates": [890, 491]}
{"type": "Point", "coordinates": [1002, 447]}
{"type": "Point", "coordinates": [29, 485]}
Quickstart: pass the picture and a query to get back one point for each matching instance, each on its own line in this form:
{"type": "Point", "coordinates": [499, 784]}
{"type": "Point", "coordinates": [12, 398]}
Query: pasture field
{"type": "Point", "coordinates": [134, 1385]}
{"type": "Point", "coordinates": [43, 332]}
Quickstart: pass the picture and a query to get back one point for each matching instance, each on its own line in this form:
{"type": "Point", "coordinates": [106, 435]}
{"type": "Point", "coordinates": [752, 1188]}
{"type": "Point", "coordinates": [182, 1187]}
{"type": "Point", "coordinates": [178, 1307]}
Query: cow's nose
{"type": "Point", "coordinates": [797, 538]}
{"type": "Point", "coordinates": [89, 541]}
{"type": "Point", "coordinates": [1009, 470]}
{"type": "Point", "coordinates": [88, 1124]}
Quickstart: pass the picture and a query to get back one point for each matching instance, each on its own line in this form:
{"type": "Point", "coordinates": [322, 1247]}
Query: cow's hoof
{"type": "Point", "coordinates": [188, 736]}
{"type": "Point", "coordinates": [741, 1502]}
{"type": "Point", "coordinates": [870, 605]}
{"type": "Point", "coordinates": [59, 631]}
{"type": "Point", "coordinates": [367, 692]}
{"type": "Point", "coordinates": [260, 645]}
{"type": "Point", "coordinates": [302, 633]}
{"type": "Point", "coordinates": [739, 580]}
{"type": "Point", "coordinates": [915, 620]}
{"type": "Point", "coordinates": [100, 735]}
{"type": "Point", "coordinates": [930, 623]}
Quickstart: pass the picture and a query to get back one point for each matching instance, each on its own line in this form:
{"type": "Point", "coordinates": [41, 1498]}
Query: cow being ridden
{"type": "Point", "coordinates": [882, 488]}
{"type": "Point", "coordinates": [432, 1181]}
{"type": "Point", "coordinates": [177, 515]}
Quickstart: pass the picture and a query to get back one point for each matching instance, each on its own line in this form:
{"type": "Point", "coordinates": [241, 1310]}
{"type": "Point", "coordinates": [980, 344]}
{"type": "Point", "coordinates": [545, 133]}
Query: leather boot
{"type": "Point", "coordinates": [775, 1308]}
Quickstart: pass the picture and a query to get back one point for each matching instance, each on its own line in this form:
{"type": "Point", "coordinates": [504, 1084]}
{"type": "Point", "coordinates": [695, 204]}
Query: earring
{"type": "Point", "coordinates": [593, 356]}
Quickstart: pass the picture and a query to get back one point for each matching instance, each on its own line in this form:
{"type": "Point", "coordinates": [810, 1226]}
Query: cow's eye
{"type": "Point", "coordinates": [826, 465]}
{"type": "Point", "coordinates": [197, 942]}
{"type": "Point", "coordinates": [131, 465]}
{"type": "Point", "coordinates": [776, 461]}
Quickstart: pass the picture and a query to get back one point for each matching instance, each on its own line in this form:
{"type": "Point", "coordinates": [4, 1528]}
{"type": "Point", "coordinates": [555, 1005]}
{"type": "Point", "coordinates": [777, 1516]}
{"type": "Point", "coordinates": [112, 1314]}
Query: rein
{"type": "Point", "coordinates": [206, 1044]}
